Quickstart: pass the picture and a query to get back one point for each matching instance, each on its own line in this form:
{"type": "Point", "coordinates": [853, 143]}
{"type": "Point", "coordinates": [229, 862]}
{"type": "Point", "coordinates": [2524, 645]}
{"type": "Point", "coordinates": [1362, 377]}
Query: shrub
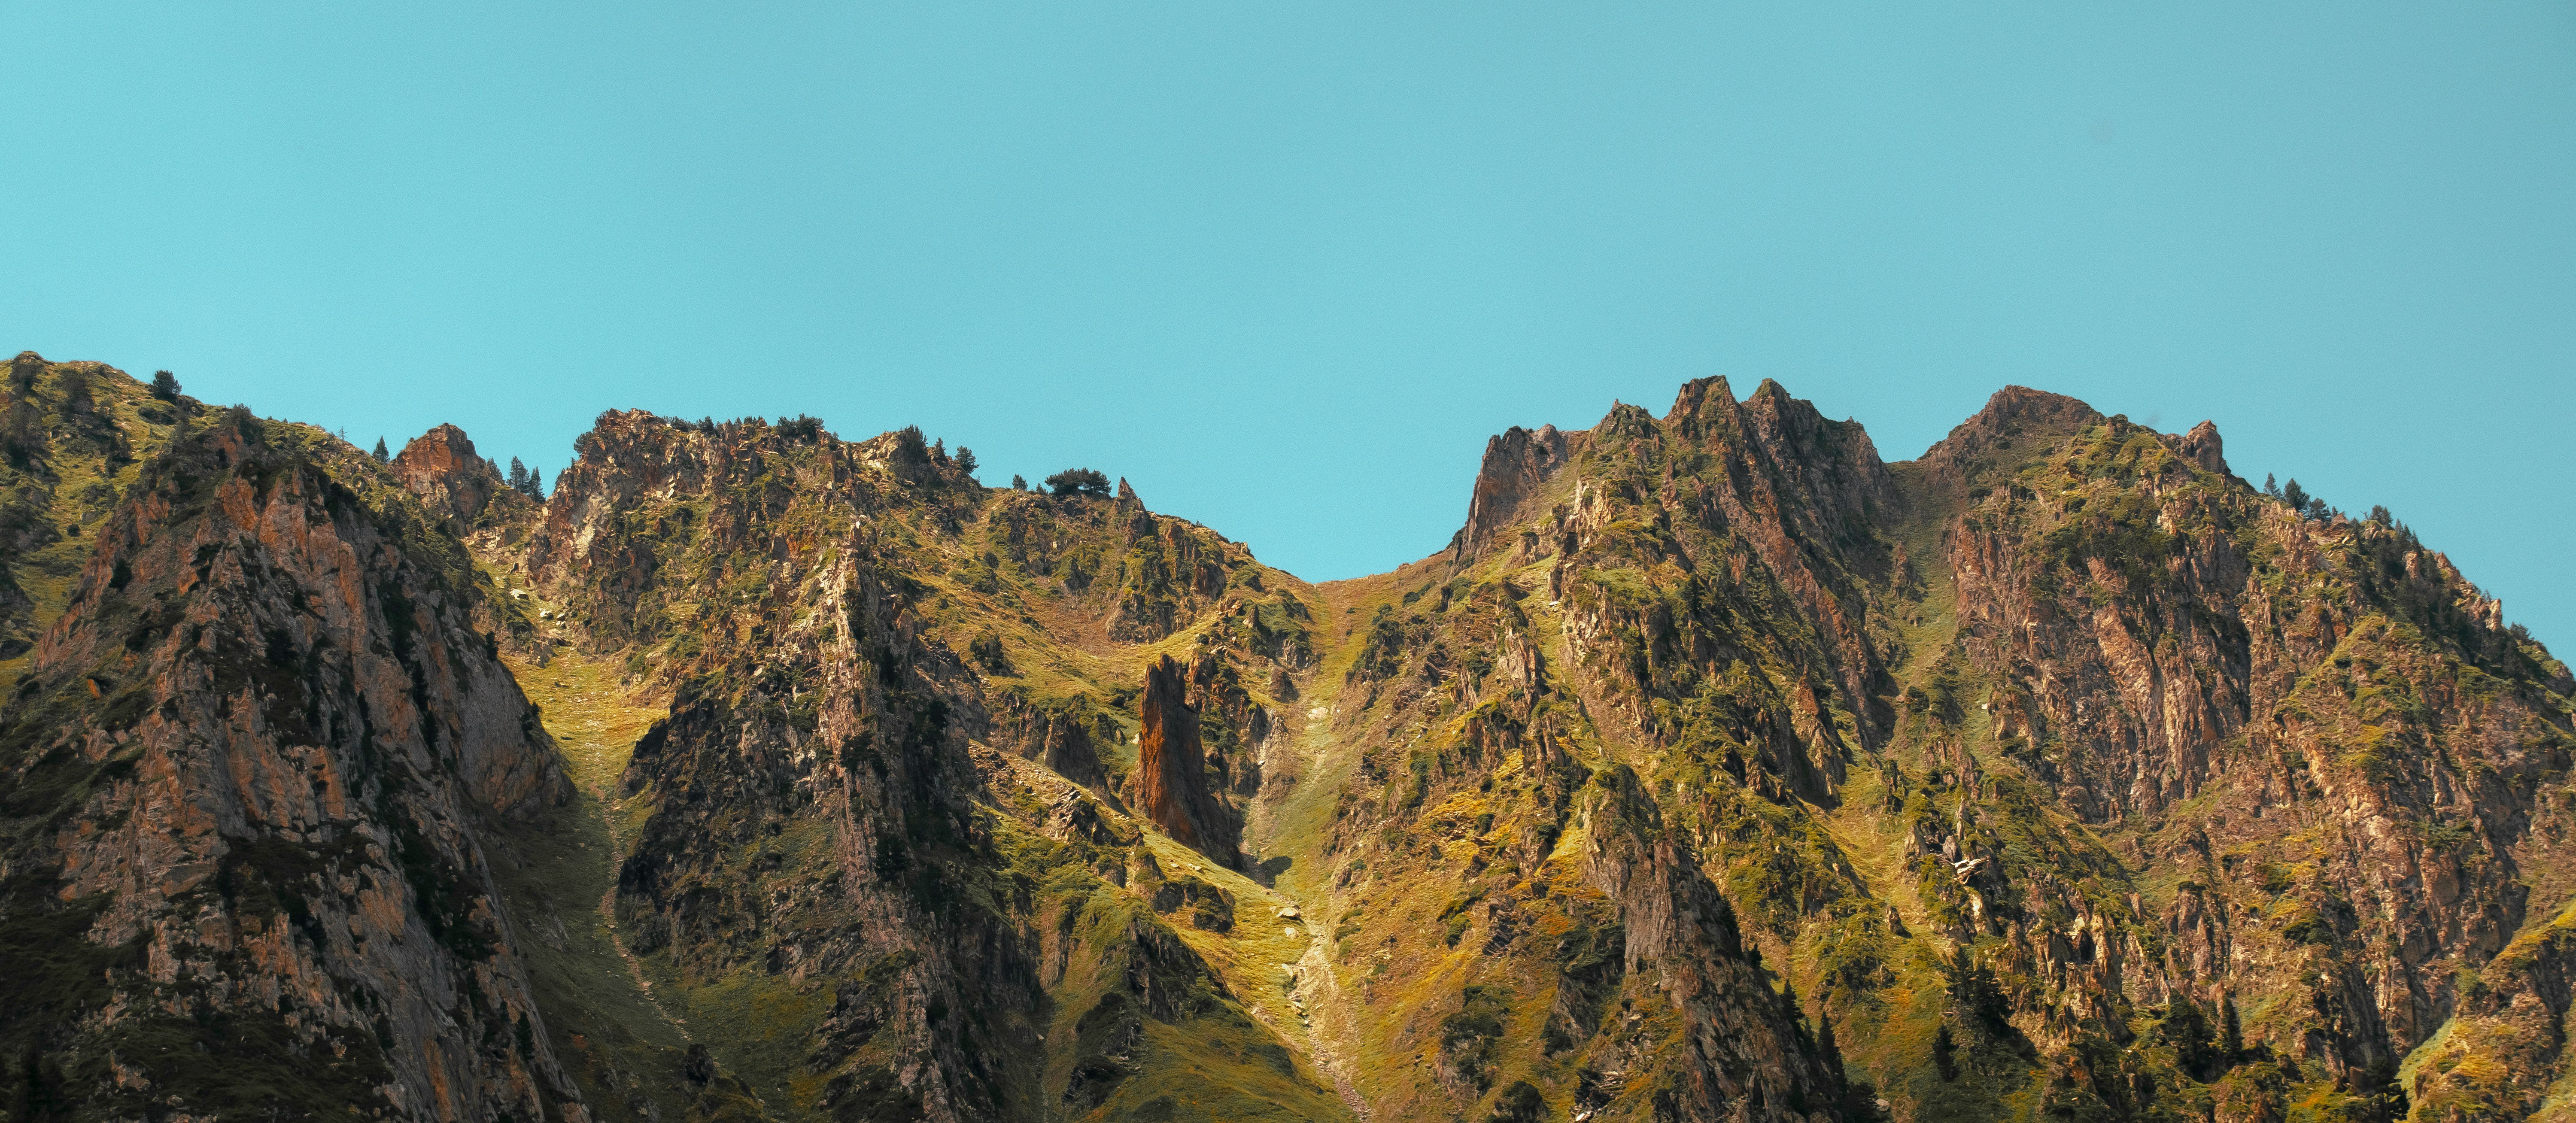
{"type": "Point", "coordinates": [987, 650]}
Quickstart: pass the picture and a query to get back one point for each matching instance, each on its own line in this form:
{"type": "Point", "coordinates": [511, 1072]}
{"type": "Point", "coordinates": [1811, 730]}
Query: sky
{"type": "Point", "coordinates": [1286, 266]}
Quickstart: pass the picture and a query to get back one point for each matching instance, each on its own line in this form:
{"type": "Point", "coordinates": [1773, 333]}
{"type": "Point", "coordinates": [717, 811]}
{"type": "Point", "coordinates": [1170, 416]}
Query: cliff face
{"type": "Point", "coordinates": [246, 771]}
{"type": "Point", "coordinates": [2317, 721]}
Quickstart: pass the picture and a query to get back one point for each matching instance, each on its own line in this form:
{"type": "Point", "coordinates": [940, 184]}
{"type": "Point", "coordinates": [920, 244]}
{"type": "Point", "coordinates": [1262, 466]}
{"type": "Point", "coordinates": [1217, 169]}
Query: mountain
{"type": "Point", "coordinates": [1716, 770]}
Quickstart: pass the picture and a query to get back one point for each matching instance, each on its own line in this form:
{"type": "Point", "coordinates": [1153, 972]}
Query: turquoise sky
{"type": "Point", "coordinates": [1286, 266]}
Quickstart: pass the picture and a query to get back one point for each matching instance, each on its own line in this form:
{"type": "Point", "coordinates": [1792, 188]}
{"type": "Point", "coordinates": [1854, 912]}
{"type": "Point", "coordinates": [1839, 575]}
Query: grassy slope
{"type": "Point", "coordinates": [557, 874]}
{"type": "Point", "coordinates": [81, 491]}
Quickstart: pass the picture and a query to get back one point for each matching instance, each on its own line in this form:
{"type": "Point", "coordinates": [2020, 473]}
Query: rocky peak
{"type": "Point", "coordinates": [1171, 768]}
{"type": "Point", "coordinates": [1697, 393]}
{"type": "Point", "coordinates": [441, 468]}
{"type": "Point", "coordinates": [1516, 468]}
{"type": "Point", "coordinates": [2201, 446]}
{"type": "Point", "coordinates": [2016, 422]}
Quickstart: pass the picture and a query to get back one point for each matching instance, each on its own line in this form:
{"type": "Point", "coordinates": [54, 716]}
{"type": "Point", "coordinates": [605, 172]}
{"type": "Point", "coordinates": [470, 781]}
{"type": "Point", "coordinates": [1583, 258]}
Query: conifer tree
{"type": "Point", "coordinates": [1079, 481]}
{"type": "Point", "coordinates": [165, 385]}
{"type": "Point", "coordinates": [22, 433]}
{"type": "Point", "coordinates": [910, 450]}
{"type": "Point", "coordinates": [382, 454]}
{"type": "Point", "coordinates": [77, 399]}
{"type": "Point", "coordinates": [518, 476]}
{"type": "Point", "coordinates": [966, 460]}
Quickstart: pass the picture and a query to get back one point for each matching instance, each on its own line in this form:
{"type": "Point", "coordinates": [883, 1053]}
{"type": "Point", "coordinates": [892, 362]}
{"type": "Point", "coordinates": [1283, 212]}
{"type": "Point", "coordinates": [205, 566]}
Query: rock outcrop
{"type": "Point", "coordinates": [440, 467]}
{"type": "Point", "coordinates": [1171, 782]}
{"type": "Point", "coordinates": [1515, 471]}
{"type": "Point", "coordinates": [1745, 1052]}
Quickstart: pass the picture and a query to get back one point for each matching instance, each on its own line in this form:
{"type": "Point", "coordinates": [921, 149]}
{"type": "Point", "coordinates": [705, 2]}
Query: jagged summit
{"type": "Point", "coordinates": [440, 467]}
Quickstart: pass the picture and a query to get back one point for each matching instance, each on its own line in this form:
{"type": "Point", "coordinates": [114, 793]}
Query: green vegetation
{"type": "Point", "coordinates": [1078, 481]}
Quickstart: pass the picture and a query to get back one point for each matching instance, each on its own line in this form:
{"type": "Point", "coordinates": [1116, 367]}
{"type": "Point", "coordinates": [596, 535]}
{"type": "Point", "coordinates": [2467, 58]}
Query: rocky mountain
{"type": "Point", "coordinates": [1717, 770]}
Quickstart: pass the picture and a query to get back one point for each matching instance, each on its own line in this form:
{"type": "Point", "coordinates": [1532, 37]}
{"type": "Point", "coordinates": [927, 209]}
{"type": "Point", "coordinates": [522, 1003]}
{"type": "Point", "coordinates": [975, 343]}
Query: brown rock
{"type": "Point", "coordinates": [441, 468]}
{"type": "Point", "coordinates": [1171, 770]}
{"type": "Point", "coordinates": [1517, 465]}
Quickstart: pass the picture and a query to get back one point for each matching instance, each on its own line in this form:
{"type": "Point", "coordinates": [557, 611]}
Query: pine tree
{"type": "Point", "coordinates": [22, 433]}
{"type": "Point", "coordinates": [23, 372]}
{"type": "Point", "coordinates": [77, 399]}
{"type": "Point", "coordinates": [910, 450]}
{"type": "Point", "coordinates": [966, 460]}
{"type": "Point", "coordinates": [1019, 483]}
{"type": "Point", "coordinates": [537, 484]}
{"type": "Point", "coordinates": [165, 385]}
{"type": "Point", "coordinates": [518, 476]}
{"type": "Point", "coordinates": [2270, 488]}
{"type": "Point", "coordinates": [382, 455]}
{"type": "Point", "coordinates": [2295, 496]}
{"type": "Point", "coordinates": [1079, 481]}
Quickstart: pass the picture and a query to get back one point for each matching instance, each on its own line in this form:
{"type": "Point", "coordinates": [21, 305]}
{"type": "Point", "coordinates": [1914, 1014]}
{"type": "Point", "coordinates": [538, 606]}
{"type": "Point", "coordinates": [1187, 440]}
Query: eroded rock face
{"type": "Point", "coordinates": [1744, 1053]}
{"type": "Point", "coordinates": [1516, 468]}
{"type": "Point", "coordinates": [2243, 692]}
{"type": "Point", "coordinates": [1065, 735]}
{"type": "Point", "coordinates": [841, 805]}
{"type": "Point", "coordinates": [441, 468]}
{"type": "Point", "coordinates": [247, 768]}
{"type": "Point", "coordinates": [1171, 784]}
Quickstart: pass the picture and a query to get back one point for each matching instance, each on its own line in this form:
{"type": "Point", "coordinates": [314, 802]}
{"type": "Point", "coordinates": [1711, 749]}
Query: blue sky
{"type": "Point", "coordinates": [1286, 266]}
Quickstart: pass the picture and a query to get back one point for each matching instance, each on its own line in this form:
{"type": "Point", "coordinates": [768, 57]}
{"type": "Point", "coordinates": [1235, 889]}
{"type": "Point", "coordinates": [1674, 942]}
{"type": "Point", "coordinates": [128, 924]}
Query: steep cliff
{"type": "Point", "coordinates": [246, 769]}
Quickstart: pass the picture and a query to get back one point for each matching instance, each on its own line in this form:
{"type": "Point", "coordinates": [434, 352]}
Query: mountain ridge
{"type": "Point", "coordinates": [1717, 769]}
